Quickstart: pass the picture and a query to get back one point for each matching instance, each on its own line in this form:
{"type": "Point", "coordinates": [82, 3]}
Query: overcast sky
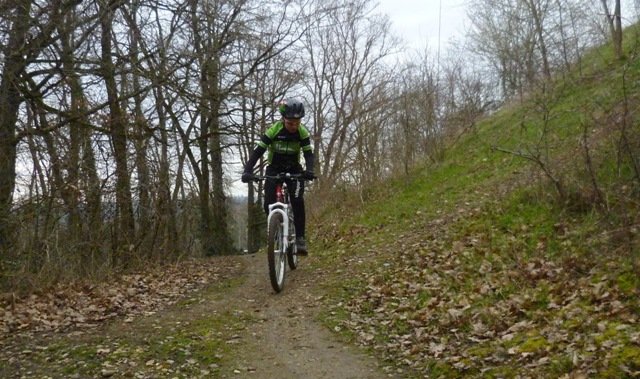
{"type": "Point", "coordinates": [417, 20]}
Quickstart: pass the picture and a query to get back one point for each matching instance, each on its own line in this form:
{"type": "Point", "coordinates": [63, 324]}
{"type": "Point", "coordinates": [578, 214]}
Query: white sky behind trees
{"type": "Point", "coordinates": [418, 21]}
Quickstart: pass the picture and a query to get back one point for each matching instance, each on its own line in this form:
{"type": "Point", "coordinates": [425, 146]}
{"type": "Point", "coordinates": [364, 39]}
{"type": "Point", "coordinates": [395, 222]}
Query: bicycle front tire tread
{"type": "Point", "coordinates": [275, 226]}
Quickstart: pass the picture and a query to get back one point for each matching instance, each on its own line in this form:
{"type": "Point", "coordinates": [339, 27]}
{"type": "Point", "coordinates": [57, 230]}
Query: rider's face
{"type": "Point", "coordinates": [292, 124]}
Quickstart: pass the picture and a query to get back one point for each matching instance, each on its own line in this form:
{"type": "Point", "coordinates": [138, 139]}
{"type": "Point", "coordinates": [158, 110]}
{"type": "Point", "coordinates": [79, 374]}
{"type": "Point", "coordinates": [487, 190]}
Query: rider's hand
{"type": "Point", "coordinates": [247, 177]}
{"type": "Point", "coordinates": [308, 174]}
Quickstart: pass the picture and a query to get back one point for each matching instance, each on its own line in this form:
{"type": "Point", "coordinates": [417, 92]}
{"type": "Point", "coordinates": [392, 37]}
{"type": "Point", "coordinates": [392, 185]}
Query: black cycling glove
{"type": "Point", "coordinates": [247, 177]}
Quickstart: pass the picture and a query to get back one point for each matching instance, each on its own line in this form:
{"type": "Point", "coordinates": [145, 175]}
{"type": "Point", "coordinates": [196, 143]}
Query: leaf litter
{"type": "Point", "coordinates": [86, 305]}
{"type": "Point", "coordinates": [444, 302]}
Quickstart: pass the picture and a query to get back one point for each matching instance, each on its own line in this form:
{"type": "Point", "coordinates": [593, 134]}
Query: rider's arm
{"type": "Point", "coordinates": [309, 159]}
{"type": "Point", "coordinates": [307, 150]}
{"type": "Point", "coordinates": [253, 159]}
{"type": "Point", "coordinates": [261, 147]}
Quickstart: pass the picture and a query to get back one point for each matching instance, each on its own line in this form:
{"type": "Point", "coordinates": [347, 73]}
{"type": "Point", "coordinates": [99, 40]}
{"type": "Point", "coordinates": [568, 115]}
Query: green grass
{"type": "Point", "coordinates": [628, 282]}
{"type": "Point", "coordinates": [183, 351]}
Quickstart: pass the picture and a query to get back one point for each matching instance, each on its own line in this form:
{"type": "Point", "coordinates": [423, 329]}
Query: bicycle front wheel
{"type": "Point", "coordinates": [276, 254]}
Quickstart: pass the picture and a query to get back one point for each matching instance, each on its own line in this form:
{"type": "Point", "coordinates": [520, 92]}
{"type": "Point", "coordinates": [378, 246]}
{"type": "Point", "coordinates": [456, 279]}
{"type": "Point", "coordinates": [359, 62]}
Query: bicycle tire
{"type": "Point", "coordinates": [276, 253]}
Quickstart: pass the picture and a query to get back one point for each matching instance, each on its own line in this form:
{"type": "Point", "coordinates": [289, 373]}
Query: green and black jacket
{"type": "Point", "coordinates": [284, 149]}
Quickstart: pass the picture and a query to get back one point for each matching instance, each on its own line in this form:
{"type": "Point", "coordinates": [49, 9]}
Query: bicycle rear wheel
{"type": "Point", "coordinates": [276, 254]}
{"type": "Point", "coordinates": [292, 251]}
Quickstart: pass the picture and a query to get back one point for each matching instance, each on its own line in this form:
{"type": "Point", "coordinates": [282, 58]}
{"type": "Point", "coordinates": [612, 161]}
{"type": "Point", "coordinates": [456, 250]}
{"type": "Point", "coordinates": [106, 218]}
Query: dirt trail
{"type": "Point", "coordinates": [288, 342]}
{"type": "Point", "coordinates": [255, 332]}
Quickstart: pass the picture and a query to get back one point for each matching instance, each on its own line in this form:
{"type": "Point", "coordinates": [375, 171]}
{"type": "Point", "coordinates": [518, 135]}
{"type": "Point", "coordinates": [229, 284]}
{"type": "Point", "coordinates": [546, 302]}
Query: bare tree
{"type": "Point", "coordinates": [507, 43]}
{"type": "Point", "coordinates": [117, 125]}
{"type": "Point", "coordinates": [615, 26]}
{"type": "Point", "coordinates": [21, 49]}
{"type": "Point", "coordinates": [538, 10]}
{"type": "Point", "coordinates": [526, 41]}
{"type": "Point", "coordinates": [141, 131]}
{"type": "Point", "coordinates": [346, 55]}
{"type": "Point", "coordinates": [10, 100]}
{"type": "Point", "coordinates": [415, 114]}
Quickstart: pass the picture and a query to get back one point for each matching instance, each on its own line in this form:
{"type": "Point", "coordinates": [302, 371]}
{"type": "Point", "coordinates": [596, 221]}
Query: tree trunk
{"type": "Point", "coordinates": [221, 238]}
{"type": "Point", "coordinates": [141, 143]}
{"type": "Point", "coordinates": [202, 170]}
{"type": "Point", "coordinates": [537, 19]}
{"type": "Point", "coordinates": [82, 172]}
{"type": "Point", "coordinates": [615, 26]}
{"type": "Point", "coordinates": [72, 160]}
{"type": "Point", "coordinates": [220, 221]}
{"type": "Point", "coordinates": [92, 185]}
{"type": "Point", "coordinates": [617, 38]}
{"type": "Point", "coordinates": [206, 232]}
{"type": "Point", "coordinates": [10, 100]}
{"type": "Point", "coordinates": [167, 217]}
{"type": "Point", "coordinates": [117, 127]}
{"type": "Point", "coordinates": [255, 214]}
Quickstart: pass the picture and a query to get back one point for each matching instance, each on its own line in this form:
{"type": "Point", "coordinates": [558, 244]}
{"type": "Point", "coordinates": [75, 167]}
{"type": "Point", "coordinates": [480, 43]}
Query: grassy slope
{"type": "Point", "coordinates": [473, 268]}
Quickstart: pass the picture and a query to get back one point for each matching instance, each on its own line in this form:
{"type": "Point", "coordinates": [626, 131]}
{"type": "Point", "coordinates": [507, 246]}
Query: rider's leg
{"type": "Point", "coordinates": [269, 194]}
{"type": "Point", "coordinates": [296, 194]}
{"type": "Point", "coordinates": [297, 205]}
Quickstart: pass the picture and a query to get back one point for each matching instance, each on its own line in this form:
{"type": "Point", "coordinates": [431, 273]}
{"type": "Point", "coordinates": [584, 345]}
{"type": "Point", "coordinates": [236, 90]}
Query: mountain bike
{"type": "Point", "coordinates": [281, 231]}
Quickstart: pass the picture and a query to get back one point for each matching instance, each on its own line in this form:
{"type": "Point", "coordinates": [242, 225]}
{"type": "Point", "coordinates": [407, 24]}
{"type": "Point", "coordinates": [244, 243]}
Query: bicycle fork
{"type": "Point", "coordinates": [281, 208]}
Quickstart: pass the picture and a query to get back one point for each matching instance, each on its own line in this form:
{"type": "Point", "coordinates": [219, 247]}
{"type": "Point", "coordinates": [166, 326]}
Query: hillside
{"type": "Point", "coordinates": [517, 255]}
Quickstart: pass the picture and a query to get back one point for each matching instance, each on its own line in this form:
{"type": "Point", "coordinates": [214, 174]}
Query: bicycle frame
{"type": "Point", "coordinates": [282, 206]}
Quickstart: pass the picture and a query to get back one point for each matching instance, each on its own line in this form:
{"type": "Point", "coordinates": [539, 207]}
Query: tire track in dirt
{"type": "Point", "coordinates": [287, 341]}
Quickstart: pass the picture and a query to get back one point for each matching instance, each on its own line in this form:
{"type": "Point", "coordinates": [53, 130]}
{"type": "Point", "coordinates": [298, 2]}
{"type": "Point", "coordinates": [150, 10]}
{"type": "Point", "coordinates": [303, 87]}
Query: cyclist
{"type": "Point", "coordinates": [284, 140]}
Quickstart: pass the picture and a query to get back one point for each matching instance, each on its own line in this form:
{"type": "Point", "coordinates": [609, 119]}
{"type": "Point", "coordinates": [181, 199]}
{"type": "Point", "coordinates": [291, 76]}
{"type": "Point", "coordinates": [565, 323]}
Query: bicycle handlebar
{"type": "Point", "coordinates": [282, 176]}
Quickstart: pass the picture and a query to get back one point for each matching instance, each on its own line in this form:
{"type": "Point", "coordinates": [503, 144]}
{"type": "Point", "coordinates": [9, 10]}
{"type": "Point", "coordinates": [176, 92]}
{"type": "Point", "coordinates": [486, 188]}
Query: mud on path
{"type": "Point", "coordinates": [235, 328]}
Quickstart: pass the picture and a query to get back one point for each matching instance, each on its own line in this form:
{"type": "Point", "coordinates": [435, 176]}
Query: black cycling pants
{"type": "Point", "coordinates": [296, 194]}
